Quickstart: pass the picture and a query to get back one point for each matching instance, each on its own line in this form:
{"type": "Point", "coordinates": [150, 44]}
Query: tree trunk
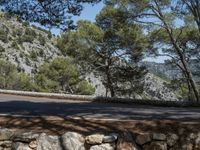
{"type": "Point", "coordinates": [179, 51]}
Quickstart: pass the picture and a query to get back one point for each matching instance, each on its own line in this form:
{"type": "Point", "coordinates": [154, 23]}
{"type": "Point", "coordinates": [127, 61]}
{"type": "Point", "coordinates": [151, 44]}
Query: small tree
{"type": "Point", "coordinates": [62, 75]}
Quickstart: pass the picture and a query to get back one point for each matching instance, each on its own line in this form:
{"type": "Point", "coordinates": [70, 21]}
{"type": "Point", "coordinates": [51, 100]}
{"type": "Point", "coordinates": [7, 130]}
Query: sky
{"type": "Point", "coordinates": [89, 13]}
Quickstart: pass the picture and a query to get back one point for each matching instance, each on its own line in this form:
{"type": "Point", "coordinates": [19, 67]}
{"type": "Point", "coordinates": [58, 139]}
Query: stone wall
{"type": "Point", "coordinates": [12, 140]}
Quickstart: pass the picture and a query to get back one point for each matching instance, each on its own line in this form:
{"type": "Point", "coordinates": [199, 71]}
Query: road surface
{"type": "Point", "coordinates": [11, 105]}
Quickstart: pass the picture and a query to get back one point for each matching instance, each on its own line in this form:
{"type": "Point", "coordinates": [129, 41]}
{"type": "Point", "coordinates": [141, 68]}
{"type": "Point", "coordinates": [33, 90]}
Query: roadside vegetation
{"type": "Point", "coordinates": [60, 75]}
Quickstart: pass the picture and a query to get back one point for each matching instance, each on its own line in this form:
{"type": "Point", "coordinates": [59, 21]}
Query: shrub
{"type": "Point", "coordinates": [3, 36]}
{"type": "Point", "coordinates": [62, 75]}
{"type": "Point", "coordinates": [84, 88]}
{"type": "Point", "coordinates": [33, 56]}
{"type": "Point", "coordinates": [42, 40]}
{"type": "Point", "coordinates": [17, 32]}
{"type": "Point", "coordinates": [2, 49]}
{"type": "Point", "coordinates": [15, 45]}
{"type": "Point", "coordinates": [26, 24]}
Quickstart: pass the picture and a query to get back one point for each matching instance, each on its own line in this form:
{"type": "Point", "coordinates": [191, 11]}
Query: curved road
{"type": "Point", "coordinates": [11, 105]}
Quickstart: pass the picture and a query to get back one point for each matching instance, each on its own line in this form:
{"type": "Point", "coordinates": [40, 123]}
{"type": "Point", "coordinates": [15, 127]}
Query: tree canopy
{"type": "Point", "coordinates": [112, 46]}
{"type": "Point", "coordinates": [56, 13]}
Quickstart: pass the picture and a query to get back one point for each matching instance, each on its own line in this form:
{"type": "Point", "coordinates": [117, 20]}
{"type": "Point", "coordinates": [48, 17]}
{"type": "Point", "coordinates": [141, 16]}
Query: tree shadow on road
{"type": "Point", "coordinates": [58, 118]}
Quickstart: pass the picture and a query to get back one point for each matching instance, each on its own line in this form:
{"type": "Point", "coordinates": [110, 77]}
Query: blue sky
{"type": "Point", "coordinates": [89, 13]}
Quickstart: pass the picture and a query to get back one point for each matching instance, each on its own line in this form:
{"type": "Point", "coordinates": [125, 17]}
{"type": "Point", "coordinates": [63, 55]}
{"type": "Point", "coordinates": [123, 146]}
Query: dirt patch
{"type": "Point", "coordinates": [58, 125]}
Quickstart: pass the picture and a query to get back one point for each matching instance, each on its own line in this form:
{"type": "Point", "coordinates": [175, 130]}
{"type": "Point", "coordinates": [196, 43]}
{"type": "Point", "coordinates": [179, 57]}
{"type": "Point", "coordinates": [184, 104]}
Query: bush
{"type": "Point", "coordinates": [84, 88]}
{"type": "Point", "coordinates": [2, 49]}
{"type": "Point", "coordinates": [15, 45]}
{"type": "Point", "coordinates": [42, 40]}
{"type": "Point", "coordinates": [25, 24]}
{"type": "Point", "coordinates": [62, 75]}
{"type": "Point", "coordinates": [17, 32]}
{"type": "Point", "coordinates": [3, 36]}
{"type": "Point", "coordinates": [33, 56]}
{"type": "Point", "coordinates": [11, 79]}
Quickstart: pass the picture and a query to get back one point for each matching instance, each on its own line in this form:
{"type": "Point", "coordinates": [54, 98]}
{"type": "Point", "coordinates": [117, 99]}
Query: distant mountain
{"type": "Point", "coordinates": [169, 71]}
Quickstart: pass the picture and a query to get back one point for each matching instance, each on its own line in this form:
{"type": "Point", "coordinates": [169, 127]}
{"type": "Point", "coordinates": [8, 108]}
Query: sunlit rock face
{"type": "Point", "coordinates": [24, 45]}
{"type": "Point", "coordinates": [154, 88]}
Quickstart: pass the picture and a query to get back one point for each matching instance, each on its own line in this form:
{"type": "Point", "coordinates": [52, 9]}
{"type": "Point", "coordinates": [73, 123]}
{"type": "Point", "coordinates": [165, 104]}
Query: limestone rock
{"type": "Point", "coordinates": [33, 144]}
{"type": "Point", "coordinates": [6, 144]}
{"type": "Point", "coordinates": [73, 141]}
{"type": "Point", "coordinates": [94, 139]}
{"type": "Point", "coordinates": [187, 146]}
{"type": "Point", "coordinates": [172, 139]}
{"type": "Point", "coordinates": [143, 139]}
{"type": "Point", "coordinates": [106, 146]}
{"type": "Point", "coordinates": [25, 137]}
{"type": "Point", "coordinates": [5, 134]}
{"type": "Point", "coordinates": [20, 146]}
{"type": "Point", "coordinates": [156, 146]}
{"type": "Point", "coordinates": [48, 142]}
{"type": "Point", "coordinates": [110, 138]}
{"type": "Point", "coordinates": [126, 142]}
{"type": "Point", "coordinates": [126, 145]}
{"type": "Point", "coordinates": [159, 136]}
{"type": "Point", "coordinates": [197, 142]}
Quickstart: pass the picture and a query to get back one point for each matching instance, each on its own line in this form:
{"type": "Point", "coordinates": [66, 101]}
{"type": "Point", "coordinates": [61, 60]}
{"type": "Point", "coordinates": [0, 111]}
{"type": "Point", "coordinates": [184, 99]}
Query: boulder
{"type": "Point", "coordinates": [172, 139]}
{"type": "Point", "coordinates": [159, 136]}
{"type": "Point", "coordinates": [6, 144]}
{"type": "Point", "coordinates": [73, 141]}
{"type": "Point", "coordinates": [187, 146]}
{"type": "Point", "coordinates": [45, 142]}
{"type": "Point", "coordinates": [5, 134]}
{"type": "Point", "coordinates": [20, 146]}
{"type": "Point", "coordinates": [33, 144]}
{"type": "Point", "coordinates": [25, 137]}
{"type": "Point", "coordinates": [155, 146]}
{"type": "Point", "coordinates": [197, 142]}
{"type": "Point", "coordinates": [126, 142]}
{"type": "Point", "coordinates": [94, 139]}
{"type": "Point", "coordinates": [126, 145]}
{"type": "Point", "coordinates": [143, 139]}
{"type": "Point", "coordinates": [106, 146]}
{"type": "Point", "coordinates": [110, 138]}
{"type": "Point", "coordinates": [3, 148]}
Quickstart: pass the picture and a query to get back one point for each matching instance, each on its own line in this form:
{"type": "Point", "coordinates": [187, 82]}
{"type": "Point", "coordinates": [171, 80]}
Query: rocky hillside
{"type": "Point", "coordinates": [169, 71]}
{"type": "Point", "coordinates": [24, 45]}
{"type": "Point", "coordinates": [29, 46]}
{"type": "Point", "coordinates": [154, 88]}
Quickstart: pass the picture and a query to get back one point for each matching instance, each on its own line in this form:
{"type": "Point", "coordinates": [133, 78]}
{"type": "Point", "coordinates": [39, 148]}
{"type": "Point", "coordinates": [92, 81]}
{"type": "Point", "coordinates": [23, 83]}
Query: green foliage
{"type": "Point", "coordinates": [28, 36]}
{"type": "Point", "coordinates": [84, 88]}
{"type": "Point", "coordinates": [42, 40]}
{"type": "Point", "coordinates": [11, 79]}
{"type": "Point", "coordinates": [15, 45]}
{"type": "Point", "coordinates": [110, 46]}
{"type": "Point", "coordinates": [17, 32]}
{"type": "Point", "coordinates": [33, 56]}
{"type": "Point", "coordinates": [2, 49]}
{"type": "Point", "coordinates": [25, 24]}
{"type": "Point", "coordinates": [3, 36]}
{"type": "Point", "coordinates": [61, 75]}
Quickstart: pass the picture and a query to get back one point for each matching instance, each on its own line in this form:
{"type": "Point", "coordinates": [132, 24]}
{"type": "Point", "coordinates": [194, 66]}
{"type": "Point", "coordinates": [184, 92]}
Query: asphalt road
{"type": "Point", "coordinates": [11, 105]}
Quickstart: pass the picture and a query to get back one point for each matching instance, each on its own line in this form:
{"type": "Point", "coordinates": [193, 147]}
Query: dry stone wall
{"type": "Point", "coordinates": [11, 140]}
